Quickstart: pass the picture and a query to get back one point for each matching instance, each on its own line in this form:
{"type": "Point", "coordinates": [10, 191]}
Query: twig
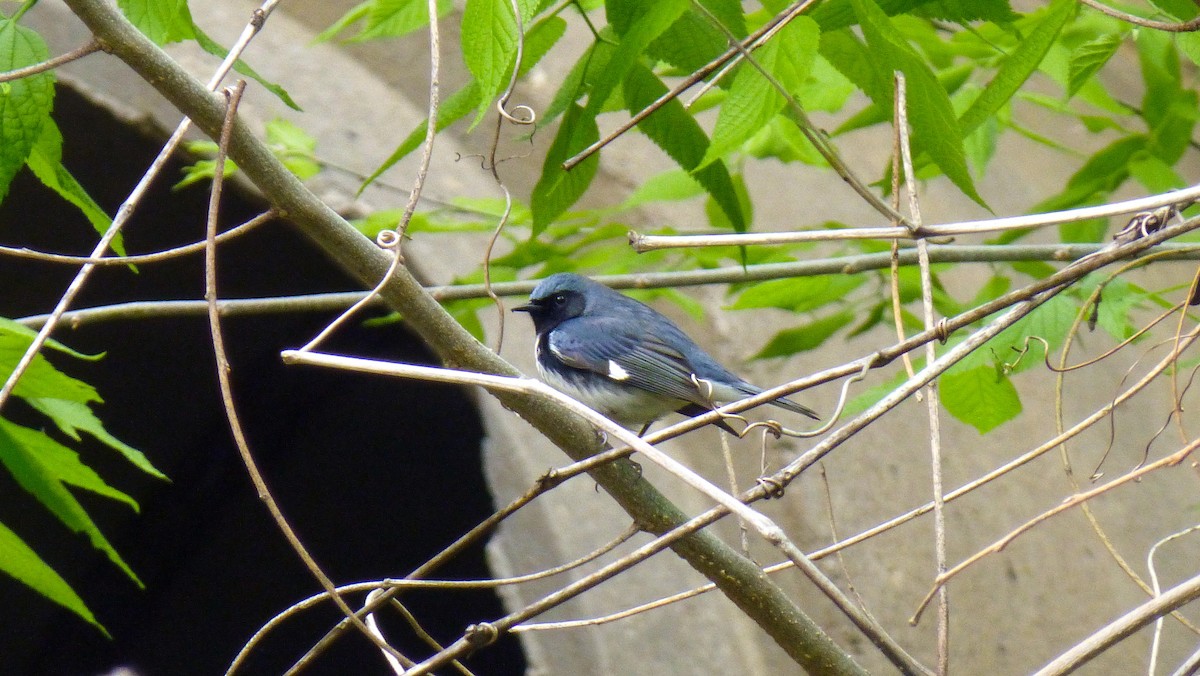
{"type": "Point", "coordinates": [1168, 26]}
{"type": "Point", "coordinates": [234, 95]}
{"type": "Point", "coordinates": [91, 47]}
{"type": "Point", "coordinates": [1180, 198]}
{"type": "Point", "coordinates": [1072, 501]}
{"type": "Point", "coordinates": [1122, 628]}
{"type": "Point", "coordinates": [137, 259]}
{"type": "Point", "coordinates": [646, 280]}
{"type": "Point", "coordinates": [931, 390]}
{"type": "Point", "coordinates": [1158, 623]}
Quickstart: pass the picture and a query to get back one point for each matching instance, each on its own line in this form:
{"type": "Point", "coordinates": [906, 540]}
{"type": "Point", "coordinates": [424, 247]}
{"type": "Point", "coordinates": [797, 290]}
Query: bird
{"type": "Point", "coordinates": [624, 359]}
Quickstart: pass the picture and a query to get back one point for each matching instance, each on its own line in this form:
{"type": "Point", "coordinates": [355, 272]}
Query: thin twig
{"type": "Point", "coordinates": [1179, 198]}
{"type": "Point", "coordinates": [234, 95]}
{"type": "Point", "coordinates": [931, 390]}
{"type": "Point", "coordinates": [1168, 26]}
{"type": "Point", "coordinates": [139, 259]}
{"type": "Point", "coordinates": [1122, 628]}
{"type": "Point", "coordinates": [91, 47]}
{"type": "Point", "coordinates": [327, 302]}
{"type": "Point", "coordinates": [1072, 501]}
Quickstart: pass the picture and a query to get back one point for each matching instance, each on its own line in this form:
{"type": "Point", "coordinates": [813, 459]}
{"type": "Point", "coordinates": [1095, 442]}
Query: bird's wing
{"type": "Point", "coordinates": [624, 354]}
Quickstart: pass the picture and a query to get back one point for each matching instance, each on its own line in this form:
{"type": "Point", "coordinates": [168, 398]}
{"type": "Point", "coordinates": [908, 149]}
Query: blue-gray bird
{"type": "Point", "coordinates": [624, 359]}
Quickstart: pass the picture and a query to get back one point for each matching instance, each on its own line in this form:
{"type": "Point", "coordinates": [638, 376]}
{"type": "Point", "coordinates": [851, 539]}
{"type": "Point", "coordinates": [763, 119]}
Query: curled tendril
{"type": "Point", "coordinates": [388, 239]}
{"type": "Point", "coordinates": [520, 114]}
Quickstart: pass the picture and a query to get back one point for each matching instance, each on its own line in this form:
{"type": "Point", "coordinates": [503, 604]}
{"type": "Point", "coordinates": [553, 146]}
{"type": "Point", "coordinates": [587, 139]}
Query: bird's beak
{"type": "Point", "coordinates": [525, 308]}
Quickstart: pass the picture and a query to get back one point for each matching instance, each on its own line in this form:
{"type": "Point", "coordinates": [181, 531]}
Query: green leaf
{"type": "Point", "coordinates": [72, 417]}
{"type": "Point", "coordinates": [753, 101]}
{"type": "Point", "coordinates": [669, 186]}
{"type": "Point", "coordinates": [213, 47]}
{"type": "Point", "coordinates": [693, 41]}
{"type": "Point", "coordinates": [637, 24]}
{"type": "Point", "coordinates": [557, 189]}
{"type": "Point", "coordinates": [1090, 57]}
{"type": "Point", "coordinates": [25, 104]}
{"type": "Point", "coordinates": [24, 565]}
{"type": "Point", "coordinates": [1103, 173]}
{"type": "Point", "coordinates": [396, 18]}
{"type": "Point", "coordinates": [801, 294]}
{"type": "Point", "coordinates": [352, 16]}
{"type": "Point", "coordinates": [44, 467]}
{"type": "Point", "coordinates": [538, 41]}
{"type": "Point", "coordinates": [936, 129]}
{"type": "Point", "coordinates": [41, 379]}
{"type": "Point", "coordinates": [294, 147]}
{"type": "Point", "coordinates": [979, 397]}
{"type": "Point", "coordinates": [453, 108]}
{"type": "Point", "coordinates": [45, 161]}
{"type": "Point", "coordinates": [680, 136]}
{"type": "Point", "coordinates": [1154, 174]}
{"type": "Point", "coordinates": [806, 336]}
{"type": "Point", "coordinates": [489, 47]}
{"type": "Point", "coordinates": [1020, 64]}
{"type": "Point", "coordinates": [163, 21]}
{"type": "Point", "coordinates": [1089, 231]}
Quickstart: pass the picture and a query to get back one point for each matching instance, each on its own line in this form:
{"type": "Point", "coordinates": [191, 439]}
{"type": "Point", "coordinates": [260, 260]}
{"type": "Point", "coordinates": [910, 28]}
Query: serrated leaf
{"type": "Point", "coordinates": [45, 161]}
{"type": "Point", "coordinates": [43, 467]}
{"type": "Point", "coordinates": [689, 43]}
{"type": "Point", "coordinates": [936, 129]}
{"type": "Point", "coordinates": [18, 560]}
{"type": "Point", "coordinates": [806, 336]}
{"type": "Point", "coordinates": [72, 417]}
{"type": "Point", "coordinates": [753, 101]}
{"type": "Point", "coordinates": [1089, 58]}
{"type": "Point", "coordinates": [489, 47]}
{"type": "Point", "coordinates": [41, 379]}
{"type": "Point", "coordinates": [680, 136]}
{"type": "Point", "coordinates": [557, 189]}
{"type": "Point", "coordinates": [18, 329]}
{"type": "Point", "coordinates": [979, 397]}
{"type": "Point", "coordinates": [1019, 65]}
{"type": "Point", "coordinates": [637, 24]}
{"type": "Point", "coordinates": [25, 104]}
{"type": "Point", "coordinates": [163, 21]}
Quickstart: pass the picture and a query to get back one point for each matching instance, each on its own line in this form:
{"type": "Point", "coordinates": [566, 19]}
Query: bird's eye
{"type": "Point", "coordinates": [560, 299]}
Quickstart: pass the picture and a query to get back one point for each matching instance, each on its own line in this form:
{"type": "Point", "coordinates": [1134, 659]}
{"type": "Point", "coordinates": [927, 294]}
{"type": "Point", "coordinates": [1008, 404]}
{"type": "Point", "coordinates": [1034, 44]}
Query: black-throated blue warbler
{"type": "Point", "coordinates": [624, 359]}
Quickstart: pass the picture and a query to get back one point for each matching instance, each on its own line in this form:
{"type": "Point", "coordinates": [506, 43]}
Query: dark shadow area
{"type": "Point", "coordinates": [375, 474]}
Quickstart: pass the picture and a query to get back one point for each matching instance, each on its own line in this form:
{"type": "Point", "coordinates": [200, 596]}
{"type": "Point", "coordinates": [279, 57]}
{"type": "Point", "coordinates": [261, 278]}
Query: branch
{"type": "Point", "coordinates": [329, 302]}
{"type": "Point", "coordinates": [738, 577]}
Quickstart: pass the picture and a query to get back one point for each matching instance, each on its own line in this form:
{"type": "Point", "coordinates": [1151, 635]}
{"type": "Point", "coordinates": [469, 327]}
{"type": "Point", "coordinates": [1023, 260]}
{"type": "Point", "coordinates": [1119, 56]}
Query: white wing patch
{"type": "Point", "coordinates": [616, 372]}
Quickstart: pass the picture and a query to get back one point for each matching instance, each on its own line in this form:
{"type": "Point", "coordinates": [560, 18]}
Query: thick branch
{"type": "Point", "coordinates": [739, 578]}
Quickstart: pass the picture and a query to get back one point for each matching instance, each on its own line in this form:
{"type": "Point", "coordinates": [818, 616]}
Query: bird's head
{"type": "Point", "coordinates": [556, 299]}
